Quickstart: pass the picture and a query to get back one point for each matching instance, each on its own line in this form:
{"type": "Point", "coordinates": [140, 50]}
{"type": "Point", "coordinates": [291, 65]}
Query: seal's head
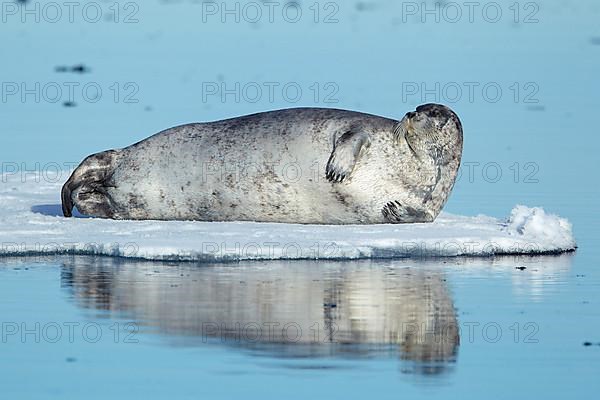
{"type": "Point", "coordinates": [432, 130]}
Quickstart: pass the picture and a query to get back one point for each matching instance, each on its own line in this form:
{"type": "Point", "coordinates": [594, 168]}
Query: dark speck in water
{"type": "Point", "coordinates": [365, 6]}
{"type": "Point", "coordinates": [521, 268]}
{"type": "Point", "coordinates": [78, 69]}
{"type": "Point", "coordinates": [536, 108]}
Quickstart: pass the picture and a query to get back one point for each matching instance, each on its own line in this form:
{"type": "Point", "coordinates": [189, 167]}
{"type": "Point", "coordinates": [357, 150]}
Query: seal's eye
{"type": "Point", "coordinates": [418, 116]}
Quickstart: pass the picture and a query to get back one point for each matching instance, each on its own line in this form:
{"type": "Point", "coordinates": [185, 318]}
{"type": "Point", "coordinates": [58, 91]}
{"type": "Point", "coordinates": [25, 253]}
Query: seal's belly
{"type": "Point", "coordinates": [280, 179]}
{"type": "Point", "coordinates": [276, 180]}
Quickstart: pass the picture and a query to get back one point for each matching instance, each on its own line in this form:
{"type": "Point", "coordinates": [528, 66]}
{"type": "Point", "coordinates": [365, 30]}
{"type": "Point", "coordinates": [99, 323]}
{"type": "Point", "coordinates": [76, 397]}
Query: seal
{"type": "Point", "coordinates": [300, 165]}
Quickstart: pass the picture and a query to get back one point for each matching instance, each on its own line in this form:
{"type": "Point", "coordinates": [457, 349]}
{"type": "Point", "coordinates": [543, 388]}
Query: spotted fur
{"type": "Point", "coordinates": [303, 165]}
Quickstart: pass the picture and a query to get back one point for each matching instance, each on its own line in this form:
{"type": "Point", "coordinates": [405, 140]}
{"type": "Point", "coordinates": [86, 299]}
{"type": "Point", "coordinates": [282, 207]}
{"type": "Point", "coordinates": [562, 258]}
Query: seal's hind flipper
{"type": "Point", "coordinates": [346, 151]}
{"type": "Point", "coordinates": [86, 189]}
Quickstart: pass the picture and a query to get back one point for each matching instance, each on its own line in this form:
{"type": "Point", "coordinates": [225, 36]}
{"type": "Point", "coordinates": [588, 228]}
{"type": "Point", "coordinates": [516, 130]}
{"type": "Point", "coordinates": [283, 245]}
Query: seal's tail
{"type": "Point", "coordinates": [86, 185]}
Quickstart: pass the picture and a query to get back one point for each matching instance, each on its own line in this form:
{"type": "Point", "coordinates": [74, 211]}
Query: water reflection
{"type": "Point", "coordinates": [302, 309]}
{"type": "Point", "coordinates": [296, 309]}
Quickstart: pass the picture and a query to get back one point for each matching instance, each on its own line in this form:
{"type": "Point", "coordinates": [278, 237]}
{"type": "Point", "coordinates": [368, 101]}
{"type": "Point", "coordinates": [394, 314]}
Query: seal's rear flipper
{"type": "Point", "coordinates": [67, 201]}
{"type": "Point", "coordinates": [346, 152]}
{"type": "Point", "coordinates": [86, 188]}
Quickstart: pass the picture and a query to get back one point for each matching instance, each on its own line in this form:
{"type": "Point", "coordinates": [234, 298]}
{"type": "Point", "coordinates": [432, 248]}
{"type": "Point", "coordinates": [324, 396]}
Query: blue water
{"type": "Point", "coordinates": [152, 330]}
{"type": "Point", "coordinates": [534, 144]}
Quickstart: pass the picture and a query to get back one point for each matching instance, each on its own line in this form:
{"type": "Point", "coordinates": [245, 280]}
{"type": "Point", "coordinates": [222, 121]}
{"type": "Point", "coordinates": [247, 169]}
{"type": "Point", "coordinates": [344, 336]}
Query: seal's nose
{"type": "Point", "coordinates": [410, 115]}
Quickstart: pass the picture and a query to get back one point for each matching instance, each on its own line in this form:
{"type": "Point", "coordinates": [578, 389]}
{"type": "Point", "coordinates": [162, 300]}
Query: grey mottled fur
{"type": "Point", "coordinates": [304, 165]}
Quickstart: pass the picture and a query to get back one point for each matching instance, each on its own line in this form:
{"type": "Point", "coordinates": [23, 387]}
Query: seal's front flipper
{"type": "Point", "coordinates": [346, 151]}
{"type": "Point", "coordinates": [395, 212]}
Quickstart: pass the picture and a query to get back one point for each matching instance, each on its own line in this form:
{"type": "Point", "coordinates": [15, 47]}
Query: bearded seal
{"type": "Point", "coordinates": [299, 165]}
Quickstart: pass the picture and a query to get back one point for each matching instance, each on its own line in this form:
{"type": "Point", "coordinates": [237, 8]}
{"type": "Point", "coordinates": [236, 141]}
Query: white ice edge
{"type": "Point", "coordinates": [31, 223]}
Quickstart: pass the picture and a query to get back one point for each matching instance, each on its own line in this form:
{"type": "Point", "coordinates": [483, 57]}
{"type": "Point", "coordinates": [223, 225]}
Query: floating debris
{"type": "Point", "coordinates": [78, 69]}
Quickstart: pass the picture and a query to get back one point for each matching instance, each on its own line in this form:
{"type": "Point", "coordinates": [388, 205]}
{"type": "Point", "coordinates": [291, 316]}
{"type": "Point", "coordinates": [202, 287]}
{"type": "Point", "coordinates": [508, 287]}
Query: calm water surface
{"type": "Point", "coordinates": [92, 327]}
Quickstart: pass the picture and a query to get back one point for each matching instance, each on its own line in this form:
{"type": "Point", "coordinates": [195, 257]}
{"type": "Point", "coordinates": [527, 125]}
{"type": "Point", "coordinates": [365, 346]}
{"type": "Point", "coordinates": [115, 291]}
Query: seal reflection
{"type": "Point", "coordinates": [279, 308]}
